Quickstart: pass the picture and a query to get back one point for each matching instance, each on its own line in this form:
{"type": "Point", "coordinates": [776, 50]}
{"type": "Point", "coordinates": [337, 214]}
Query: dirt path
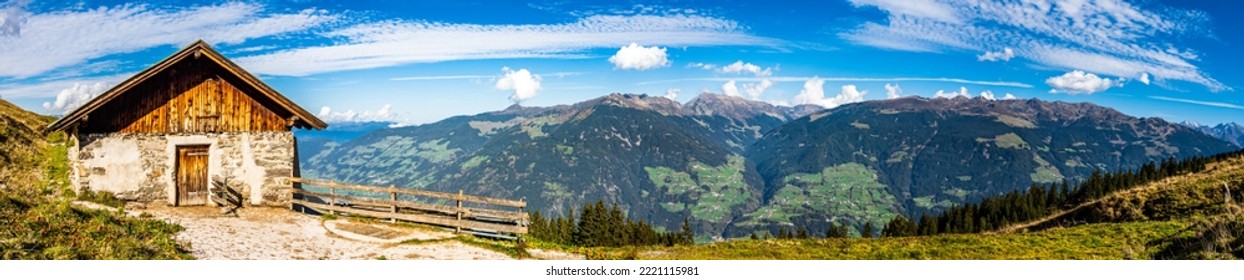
{"type": "Point", "coordinates": [273, 233]}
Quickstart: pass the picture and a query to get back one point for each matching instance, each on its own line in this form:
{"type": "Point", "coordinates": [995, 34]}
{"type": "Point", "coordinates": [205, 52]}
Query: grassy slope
{"type": "Point", "coordinates": [39, 222]}
{"type": "Point", "coordinates": [1099, 241]}
{"type": "Point", "coordinates": [20, 144]}
{"type": "Point", "coordinates": [1182, 217]}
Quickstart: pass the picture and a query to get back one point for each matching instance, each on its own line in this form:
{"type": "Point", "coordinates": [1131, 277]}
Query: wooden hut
{"type": "Point", "coordinates": [175, 130]}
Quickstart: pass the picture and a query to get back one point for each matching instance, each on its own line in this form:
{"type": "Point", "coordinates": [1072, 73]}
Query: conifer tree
{"type": "Point", "coordinates": [836, 231]}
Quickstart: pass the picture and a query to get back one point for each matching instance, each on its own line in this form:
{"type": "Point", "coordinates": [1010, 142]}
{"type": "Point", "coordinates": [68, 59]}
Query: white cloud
{"type": "Point", "coordinates": [730, 89]}
{"type": "Point", "coordinates": [58, 39]}
{"type": "Point", "coordinates": [988, 95]}
{"type": "Point", "coordinates": [893, 91]}
{"type": "Point", "coordinates": [814, 93]}
{"type": "Point", "coordinates": [384, 114]}
{"type": "Point", "coordinates": [636, 57]}
{"type": "Point", "coordinates": [1005, 55]}
{"type": "Point", "coordinates": [702, 66]}
{"type": "Point", "coordinates": [51, 88]}
{"type": "Point", "coordinates": [740, 67]}
{"type": "Point", "coordinates": [440, 77]}
{"type": "Point", "coordinates": [1009, 96]}
{"type": "Point", "coordinates": [848, 79]}
{"type": "Point", "coordinates": [1111, 37]}
{"type": "Point", "coordinates": [1144, 78]}
{"type": "Point", "coordinates": [672, 93]}
{"type": "Point", "coordinates": [524, 84]}
{"type": "Point", "coordinates": [753, 91]}
{"type": "Point", "coordinates": [1199, 102]}
{"type": "Point", "coordinates": [917, 8]}
{"type": "Point", "coordinates": [1077, 81]}
{"type": "Point", "coordinates": [963, 92]}
{"type": "Point", "coordinates": [390, 43]}
{"type": "Point", "coordinates": [13, 17]}
{"type": "Point", "coordinates": [73, 97]}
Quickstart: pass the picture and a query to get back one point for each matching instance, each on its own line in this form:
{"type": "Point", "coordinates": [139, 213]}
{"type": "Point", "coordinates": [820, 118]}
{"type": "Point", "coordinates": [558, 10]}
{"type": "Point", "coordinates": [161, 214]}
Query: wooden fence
{"type": "Point", "coordinates": [477, 219]}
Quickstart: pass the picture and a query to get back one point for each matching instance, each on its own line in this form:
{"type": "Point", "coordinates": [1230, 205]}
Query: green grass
{"type": "Point", "coordinates": [1015, 122]}
{"type": "Point", "coordinates": [52, 229]}
{"type": "Point", "coordinates": [929, 202]}
{"type": "Point", "coordinates": [674, 182]}
{"type": "Point", "coordinates": [957, 192]}
{"type": "Point", "coordinates": [897, 157]}
{"type": "Point", "coordinates": [726, 189]}
{"type": "Point", "coordinates": [101, 197]}
{"type": "Point", "coordinates": [38, 221]}
{"type": "Point", "coordinates": [474, 162]}
{"type": "Point", "coordinates": [56, 155]}
{"type": "Point", "coordinates": [849, 191]}
{"type": "Point", "coordinates": [715, 190]}
{"type": "Point", "coordinates": [1138, 240]}
{"type": "Point", "coordinates": [535, 127]}
{"type": "Point", "coordinates": [1010, 141]}
{"type": "Point", "coordinates": [1046, 174]}
{"type": "Point", "coordinates": [554, 191]}
{"type": "Point", "coordinates": [436, 151]}
{"type": "Point", "coordinates": [486, 128]}
{"type": "Point", "coordinates": [673, 207]}
{"type": "Point", "coordinates": [565, 150]}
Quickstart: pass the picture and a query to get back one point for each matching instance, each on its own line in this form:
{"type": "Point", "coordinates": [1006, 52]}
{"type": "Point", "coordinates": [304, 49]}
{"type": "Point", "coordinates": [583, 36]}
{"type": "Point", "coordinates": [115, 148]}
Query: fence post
{"type": "Point", "coordinates": [295, 187]}
{"type": "Point", "coordinates": [393, 199]}
{"type": "Point", "coordinates": [458, 227]}
{"type": "Point", "coordinates": [332, 199]}
{"type": "Point", "coordinates": [522, 210]}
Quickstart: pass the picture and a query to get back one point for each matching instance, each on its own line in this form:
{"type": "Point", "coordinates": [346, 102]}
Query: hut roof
{"type": "Point", "coordinates": [196, 50]}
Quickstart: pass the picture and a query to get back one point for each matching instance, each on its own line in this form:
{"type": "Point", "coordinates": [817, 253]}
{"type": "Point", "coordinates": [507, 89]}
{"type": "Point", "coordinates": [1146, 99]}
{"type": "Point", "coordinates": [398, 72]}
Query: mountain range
{"type": "Point", "coordinates": [1230, 132]}
{"type": "Point", "coordinates": [734, 166]}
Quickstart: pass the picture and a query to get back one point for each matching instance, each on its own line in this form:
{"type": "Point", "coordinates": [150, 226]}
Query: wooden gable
{"type": "Point", "coordinates": [196, 90]}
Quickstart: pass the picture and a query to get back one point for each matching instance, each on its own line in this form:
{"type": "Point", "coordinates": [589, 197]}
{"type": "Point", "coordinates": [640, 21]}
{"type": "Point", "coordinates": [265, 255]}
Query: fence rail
{"type": "Point", "coordinates": [455, 216]}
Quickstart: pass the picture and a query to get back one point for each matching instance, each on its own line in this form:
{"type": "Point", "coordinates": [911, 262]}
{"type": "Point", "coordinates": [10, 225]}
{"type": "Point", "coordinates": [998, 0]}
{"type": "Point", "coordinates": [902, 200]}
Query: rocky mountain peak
{"type": "Point", "coordinates": [739, 108]}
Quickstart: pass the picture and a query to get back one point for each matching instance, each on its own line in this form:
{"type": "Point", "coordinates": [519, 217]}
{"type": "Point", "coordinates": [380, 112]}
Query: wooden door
{"type": "Point", "coordinates": [191, 175]}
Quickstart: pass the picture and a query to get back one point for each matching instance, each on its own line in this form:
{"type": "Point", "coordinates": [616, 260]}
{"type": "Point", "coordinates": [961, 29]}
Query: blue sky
{"type": "Point", "coordinates": [421, 62]}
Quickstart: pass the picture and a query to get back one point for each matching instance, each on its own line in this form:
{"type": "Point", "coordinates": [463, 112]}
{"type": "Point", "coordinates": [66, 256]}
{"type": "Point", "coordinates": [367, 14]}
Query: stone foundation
{"type": "Point", "coordinates": [142, 167]}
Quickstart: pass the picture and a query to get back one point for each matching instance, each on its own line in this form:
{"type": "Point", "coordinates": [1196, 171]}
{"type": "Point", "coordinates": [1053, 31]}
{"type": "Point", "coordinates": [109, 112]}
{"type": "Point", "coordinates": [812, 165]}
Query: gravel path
{"type": "Point", "coordinates": [279, 234]}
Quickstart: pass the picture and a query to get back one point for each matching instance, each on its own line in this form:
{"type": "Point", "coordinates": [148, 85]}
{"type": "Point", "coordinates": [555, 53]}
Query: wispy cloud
{"type": "Point", "coordinates": [849, 79]}
{"type": "Point", "coordinates": [58, 39]}
{"type": "Point", "coordinates": [475, 77]}
{"type": "Point", "coordinates": [54, 87]}
{"type": "Point", "coordinates": [12, 17]}
{"type": "Point", "coordinates": [398, 42]}
{"type": "Point", "coordinates": [1111, 37]}
{"type": "Point", "coordinates": [1199, 102]}
{"type": "Point", "coordinates": [443, 77]}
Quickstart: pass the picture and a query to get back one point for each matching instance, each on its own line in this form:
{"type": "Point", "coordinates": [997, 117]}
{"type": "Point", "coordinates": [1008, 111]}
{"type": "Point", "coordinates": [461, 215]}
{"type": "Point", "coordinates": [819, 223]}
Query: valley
{"type": "Point", "coordinates": [737, 167]}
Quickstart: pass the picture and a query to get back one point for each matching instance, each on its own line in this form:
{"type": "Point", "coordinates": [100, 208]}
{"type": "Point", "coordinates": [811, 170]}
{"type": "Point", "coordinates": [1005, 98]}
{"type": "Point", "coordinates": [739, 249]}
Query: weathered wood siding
{"type": "Point", "coordinates": [192, 175]}
{"type": "Point", "coordinates": [195, 96]}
